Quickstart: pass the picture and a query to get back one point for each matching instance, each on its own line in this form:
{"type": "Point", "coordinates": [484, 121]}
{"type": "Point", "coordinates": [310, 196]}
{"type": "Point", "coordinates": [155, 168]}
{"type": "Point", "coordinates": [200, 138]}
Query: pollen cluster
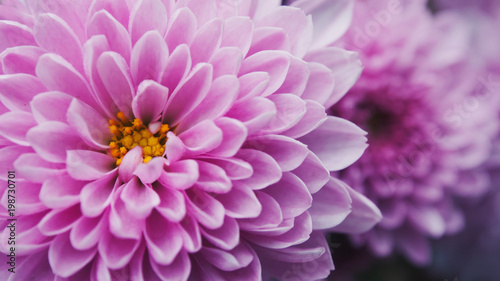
{"type": "Point", "coordinates": [129, 134]}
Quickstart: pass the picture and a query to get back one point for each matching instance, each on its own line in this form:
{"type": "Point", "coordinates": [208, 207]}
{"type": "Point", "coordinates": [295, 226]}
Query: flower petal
{"type": "Point", "coordinates": [59, 221]}
{"type": "Point", "coordinates": [234, 133]}
{"type": "Point", "coordinates": [178, 66]}
{"type": "Point", "coordinates": [60, 192]}
{"type": "Point", "coordinates": [151, 171]}
{"type": "Point", "coordinates": [66, 260]}
{"type": "Point", "coordinates": [139, 199]}
{"type": "Point", "coordinates": [172, 205]}
{"type": "Point", "coordinates": [129, 163]}
{"type": "Point", "coordinates": [238, 33]}
{"type": "Point", "coordinates": [88, 165]}
{"type": "Point", "coordinates": [213, 179]}
{"type": "Point", "coordinates": [96, 196]}
{"type": "Point", "coordinates": [150, 101]}
{"type": "Point", "coordinates": [208, 211]}
{"type": "Point", "coordinates": [90, 125]}
{"type": "Point", "coordinates": [15, 34]}
{"type": "Point", "coordinates": [117, 252]}
{"type": "Point", "coordinates": [14, 126]}
{"type": "Point", "coordinates": [315, 116]}
{"type": "Point", "coordinates": [202, 138]}
{"type": "Point", "coordinates": [182, 28]}
{"type": "Point", "coordinates": [241, 202]}
{"type": "Point", "coordinates": [149, 57]}
{"type": "Point", "coordinates": [226, 237]}
{"type": "Point", "coordinates": [180, 175]}
{"type": "Point", "coordinates": [33, 168]}
{"type": "Point", "coordinates": [51, 106]}
{"type": "Point", "coordinates": [266, 170]}
{"type": "Point", "coordinates": [290, 110]}
{"type": "Point", "coordinates": [20, 59]}
{"type": "Point", "coordinates": [178, 270]}
{"type": "Point", "coordinates": [292, 195]}
{"type": "Point", "coordinates": [206, 41]}
{"type": "Point", "coordinates": [331, 205]}
{"type": "Point", "coordinates": [313, 173]}
{"type": "Point", "coordinates": [147, 15]}
{"type": "Point", "coordinates": [163, 238]}
{"type": "Point", "coordinates": [18, 90]}
{"type": "Point", "coordinates": [254, 113]}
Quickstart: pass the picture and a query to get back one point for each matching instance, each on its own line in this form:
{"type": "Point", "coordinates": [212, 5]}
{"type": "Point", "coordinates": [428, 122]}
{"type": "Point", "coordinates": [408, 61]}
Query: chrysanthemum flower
{"type": "Point", "coordinates": [167, 140]}
{"type": "Point", "coordinates": [429, 129]}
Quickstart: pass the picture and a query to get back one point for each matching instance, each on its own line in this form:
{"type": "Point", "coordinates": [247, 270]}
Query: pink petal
{"type": "Point", "coordinates": [208, 211]}
{"type": "Point", "coordinates": [427, 219]}
{"type": "Point", "coordinates": [266, 170]}
{"type": "Point", "coordinates": [20, 59]}
{"type": "Point", "coordinates": [147, 15]}
{"type": "Point", "coordinates": [15, 125]}
{"type": "Point", "coordinates": [150, 101]}
{"type": "Point", "coordinates": [129, 163]}
{"type": "Point", "coordinates": [43, 137]}
{"type": "Point", "coordinates": [149, 57]}
{"type": "Point", "coordinates": [178, 66]}
{"type": "Point", "coordinates": [296, 79]}
{"type": "Point", "coordinates": [252, 85]}
{"type": "Point", "coordinates": [9, 155]}
{"type": "Point", "coordinates": [219, 99]}
{"type": "Point", "coordinates": [292, 195]}
{"type": "Point", "coordinates": [226, 61]}
{"type": "Point", "coordinates": [206, 41]}
{"type": "Point", "coordinates": [290, 109]}
{"type": "Point", "coordinates": [18, 90]}
{"type": "Point", "coordinates": [238, 33]}
{"type": "Point", "coordinates": [331, 205]}
{"type": "Point", "coordinates": [90, 125]}
{"type": "Point", "coordinates": [191, 234]}
{"type": "Point", "coordinates": [60, 192]}
{"type": "Point", "coordinates": [59, 75]}
{"type": "Point", "coordinates": [180, 175]}
{"type": "Point", "coordinates": [288, 152]}
{"type": "Point", "coordinates": [96, 196]}
{"type": "Point", "coordinates": [275, 63]}
{"type": "Point", "coordinates": [315, 116]}
{"type": "Point", "coordinates": [117, 36]}
{"type": "Point", "coordinates": [182, 28]}
{"type": "Point", "coordinates": [18, 35]}
{"type": "Point", "coordinates": [235, 169]}
{"type": "Point", "coordinates": [178, 270]}
{"type": "Point", "coordinates": [151, 171]}
{"type": "Point", "coordinates": [254, 113]}
{"type": "Point", "coordinates": [213, 179]}
{"type": "Point", "coordinates": [51, 106]}
{"type": "Point", "coordinates": [54, 35]}
{"type": "Point", "coordinates": [66, 260]}
{"type": "Point", "coordinates": [122, 223]}
{"type": "Point", "coordinates": [88, 165]}
{"type": "Point", "coordinates": [234, 259]}
{"type": "Point", "coordinates": [87, 232]}
{"type": "Point", "coordinates": [163, 239]}
{"type": "Point", "coordinates": [226, 237]}
{"type": "Point", "coordinates": [117, 252]}
{"type": "Point", "coordinates": [33, 168]}
{"type": "Point", "coordinates": [234, 133]}
{"type": "Point", "coordinates": [201, 138]}
{"type": "Point", "coordinates": [115, 75]}
{"type": "Point", "coordinates": [59, 221]}
{"type": "Point", "coordinates": [189, 94]}
{"type": "Point", "coordinates": [270, 217]}
{"type": "Point", "coordinates": [241, 202]}
{"type": "Point", "coordinates": [313, 173]}
{"type": "Point", "coordinates": [117, 8]}
{"type": "Point", "coordinates": [139, 199]}
{"type": "Point", "coordinates": [321, 83]}
{"type": "Point", "coordinates": [269, 38]}
{"type": "Point", "coordinates": [174, 148]}
{"type": "Point", "coordinates": [172, 205]}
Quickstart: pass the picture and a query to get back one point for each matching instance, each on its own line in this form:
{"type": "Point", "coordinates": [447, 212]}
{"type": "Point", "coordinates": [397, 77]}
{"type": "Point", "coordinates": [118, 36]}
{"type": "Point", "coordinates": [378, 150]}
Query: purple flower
{"type": "Point", "coordinates": [167, 140]}
{"type": "Point", "coordinates": [430, 122]}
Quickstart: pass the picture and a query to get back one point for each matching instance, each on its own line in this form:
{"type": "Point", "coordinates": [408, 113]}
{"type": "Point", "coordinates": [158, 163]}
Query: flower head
{"type": "Point", "coordinates": [174, 139]}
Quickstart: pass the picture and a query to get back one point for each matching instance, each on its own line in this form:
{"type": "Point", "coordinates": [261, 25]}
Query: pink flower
{"type": "Point", "coordinates": [167, 140]}
{"type": "Point", "coordinates": [430, 123]}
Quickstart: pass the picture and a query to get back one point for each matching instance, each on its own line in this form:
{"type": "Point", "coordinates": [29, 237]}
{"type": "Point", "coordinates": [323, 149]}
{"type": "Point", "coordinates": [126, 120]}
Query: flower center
{"type": "Point", "coordinates": [127, 135]}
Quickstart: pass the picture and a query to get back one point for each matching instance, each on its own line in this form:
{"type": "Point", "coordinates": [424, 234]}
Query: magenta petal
{"type": "Point", "coordinates": [266, 170]}
{"type": "Point", "coordinates": [275, 63]}
{"type": "Point", "coordinates": [129, 163]}
{"type": "Point", "coordinates": [226, 61]}
{"type": "Point", "coordinates": [363, 217]}
{"type": "Point", "coordinates": [180, 175]}
{"type": "Point", "coordinates": [122, 223]}
{"type": "Point", "coordinates": [313, 173]}
{"type": "Point", "coordinates": [163, 239]}
{"type": "Point", "coordinates": [115, 75]}
{"type": "Point", "coordinates": [206, 41]}
{"type": "Point", "coordinates": [90, 125]}
{"type": "Point", "coordinates": [254, 113]}
{"type": "Point", "coordinates": [51, 106]}
{"type": "Point", "coordinates": [182, 28]}
{"type": "Point", "coordinates": [201, 138]}
{"type": "Point", "coordinates": [178, 66]}
{"type": "Point", "coordinates": [288, 152]}
{"type": "Point", "coordinates": [203, 10]}
{"type": "Point", "coordinates": [53, 34]}
{"type": "Point", "coordinates": [151, 171]}
{"type": "Point", "coordinates": [270, 217]}
{"type": "Point", "coordinates": [147, 15]}
{"type": "Point", "coordinates": [14, 126]}
{"type": "Point", "coordinates": [234, 133]}
{"type": "Point", "coordinates": [226, 237]}
{"type": "Point", "coordinates": [96, 196]}
{"type": "Point", "coordinates": [337, 142]}
{"type": "Point", "coordinates": [219, 99]}
{"type": "Point", "coordinates": [20, 35]}
{"type": "Point", "coordinates": [60, 192]}
{"type": "Point", "coordinates": [178, 270]}
{"type": "Point", "coordinates": [149, 57]}
{"type": "Point", "coordinates": [241, 202]}
{"type": "Point", "coordinates": [59, 221]}
{"type": "Point", "coordinates": [43, 137]}
{"type": "Point", "coordinates": [320, 84]}
{"type": "Point", "coordinates": [117, 252]}
{"type": "Point", "coordinates": [87, 232]}
{"type": "Point", "coordinates": [236, 169]}
{"type": "Point", "coordinates": [292, 195]}
{"type": "Point", "coordinates": [296, 78]}
{"type": "Point", "coordinates": [174, 148]}
{"type": "Point", "coordinates": [150, 101]}
{"type": "Point", "coordinates": [117, 8]}
{"type": "Point", "coordinates": [66, 260]}
{"type": "Point", "coordinates": [269, 38]}
{"type": "Point", "coordinates": [18, 90]}
{"type": "Point", "coordinates": [252, 85]}
{"type": "Point", "coordinates": [88, 165]}
{"type": "Point", "coordinates": [33, 168]}
{"type": "Point", "coordinates": [139, 199]}
{"type": "Point", "coordinates": [59, 75]}
{"type": "Point", "coordinates": [191, 235]}
{"type": "Point", "coordinates": [212, 178]}
{"type": "Point", "coordinates": [238, 33]}
{"type": "Point", "coordinates": [172, 205]}
{"type": "Point", "coordinates": [208, 211]}
{"type": "Point", "coordinates": [9, 155]}
{"type": "Point", "coordinates": [290, 109]}
{"type": "Point", "coordinates": [315, 116]}
{"type": "Point", "coordinates": [237, 258]}
{"type": "Point", "coordinates": [20, 59]}
{"type": "Point", "coordinates": [103, 23]}
{"type": "Point", "coordinates": [188, 94]}
{"type": "Point", "coordinates": [331, 205]}
{"type": "Point", "coordinates": [427, 219]}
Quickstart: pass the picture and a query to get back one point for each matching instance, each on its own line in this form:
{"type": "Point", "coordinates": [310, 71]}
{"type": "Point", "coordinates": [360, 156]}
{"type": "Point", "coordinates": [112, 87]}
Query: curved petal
{"type": "Point", "coordinates": [51, 106]}
{"type": "Point", "coordinates": [139, 199]}
{"type": "Point", "coordinates": [33, 168]}
{"type": "Point", "coordinates": [163, 239]}
{"type": "Point", "coordinates": [117, 252]}
{"type": "Point", "coordinates": [18, 90]}
{"type": "Point", "coordinates": [178, 66]}
{"type": "Point", "coordinates": [88, 165]}
{"type": "Point", "coordinates": [213, 179]}
{"type": "Point", "coordinates": [241, 202]}
{"type": "Point", "coordinates": [147, 15]}
{"type": "Point", "coordinates": [150, 101]}
{"type": "Point", "coordinates": [226, 237]}
{"type": "Point", "coordinates": [291, 194]}
{"type": "Point", "coordinates": [149, 57]}
{"type": "Point", "coordinates": [178, 270]}
{"type": "Point", "coordinates": [201, 138]}
{"type": "Point", "coordinates": [96, 196]}
{"type": "Point", "coordinates": [59, 221]}
{"type": "Point", "coordinates": [15, 34]}
{"type": "Point", "coordinates": [331, 205]}
{"type": "Point", "coordinates": [266, 170]}
{"type": "Point", "coordinates": [129, 163]}
{"type": "Point", "coordinates": [182, 28]}
{"type": "Point", "coordinates": [20, 59]}
{"type": "Point", "coordinates": [208, 211]}
{"type": "Point", "coordinates": [90, 125]}
{"type": "Point", "coordinates": [151, 171]}
{"type": "Point", "coordinates": [290, 110]}
{"type": "Point", "coordinates": [180, 175]}
{"type": "Point", "coordinates": [255, 113]}
{"type": "Point", "coordinates": [61, 192]}
{"type": "Point", "coordinates": [313, 173]}
{"type": "Point", "coordinates": [66, 260]}
{"type": "Point", "coordinates": [172, 205]}
{"type": "Point", "coordinates": [238, 33]}
{"type": "Point", "coordinates": [15, 125]}
{"type": "Point", "coordinates": [206, 41]}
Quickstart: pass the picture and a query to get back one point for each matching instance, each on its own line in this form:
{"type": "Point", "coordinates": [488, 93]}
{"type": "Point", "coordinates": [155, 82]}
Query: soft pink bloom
{"type": "Point", "coordinates": [167, 140]}
{"type": "Point", "coordinates": [430, 121]}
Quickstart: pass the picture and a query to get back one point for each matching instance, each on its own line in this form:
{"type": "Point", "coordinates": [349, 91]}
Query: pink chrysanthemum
{"type": "Point", "coordinates": [167, 140]}
{"type": "Point", "coordinates": [429, 119]}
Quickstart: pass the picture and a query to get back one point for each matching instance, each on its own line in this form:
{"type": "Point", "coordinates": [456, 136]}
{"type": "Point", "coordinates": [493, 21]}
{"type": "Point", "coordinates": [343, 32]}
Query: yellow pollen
{"type": "Point", "coordinates": [127, 135]}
